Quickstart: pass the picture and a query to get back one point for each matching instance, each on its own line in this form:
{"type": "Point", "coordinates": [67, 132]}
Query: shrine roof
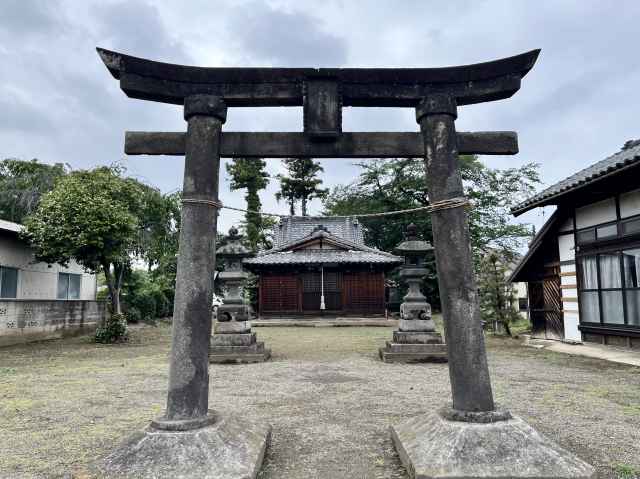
{"type": "Point", "coordinates": [322, 257]}
{"type": "Point", "coordinates": [294, 228]}
{"type": "Point", "coordinates": [336, 240]}
{"type": "Point", "coordinates": [621, 161]}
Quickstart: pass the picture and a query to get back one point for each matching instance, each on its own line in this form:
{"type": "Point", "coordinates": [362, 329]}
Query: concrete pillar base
{"type": "Point", "coordinates": [229, 448]}
{"type": "Point", "coordinates": [445, 445]}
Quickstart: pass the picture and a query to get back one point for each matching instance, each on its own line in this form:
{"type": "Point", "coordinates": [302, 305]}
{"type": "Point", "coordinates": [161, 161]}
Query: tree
{"type": "Point", "coordinates": [22, 184]}
{"type": "Point", "coordinates": [497, 296]}
{"type": "Point", "coordinates": [159, 226]}
{"type": "Point", "coordinates": [250, 174]}
{"type": "Point", "coordinates": [96, 217]}
{"type": "Point", "coordinates": [302, 183]}
{"type": "Point", "coordinates": [400, 183]}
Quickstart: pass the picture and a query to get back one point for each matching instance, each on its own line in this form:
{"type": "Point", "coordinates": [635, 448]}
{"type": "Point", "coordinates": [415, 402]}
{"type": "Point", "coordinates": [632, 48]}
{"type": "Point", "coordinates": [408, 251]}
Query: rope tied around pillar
{"type": "Point", "coordinates": [457, 202]}
{"type": "Point", "coordinates": [214, 203]}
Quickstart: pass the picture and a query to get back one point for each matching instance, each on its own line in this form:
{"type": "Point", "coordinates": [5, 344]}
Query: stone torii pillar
{"type": "Point", "coordinates": [188, 396]}
{"type": "Point", "coordinates": [471, 438]}
{"type": "Point", "coordinates": [468, 369]}
{"type": "Point", "coordinates": [190, 440]}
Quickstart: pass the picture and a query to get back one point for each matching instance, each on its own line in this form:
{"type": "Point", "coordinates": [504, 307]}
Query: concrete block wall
{"type": "Point", "coordinates": [22, 321]}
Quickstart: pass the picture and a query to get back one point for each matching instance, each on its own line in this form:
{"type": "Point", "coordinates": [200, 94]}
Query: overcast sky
{"type": "Point", "coordinates": [58, 103]}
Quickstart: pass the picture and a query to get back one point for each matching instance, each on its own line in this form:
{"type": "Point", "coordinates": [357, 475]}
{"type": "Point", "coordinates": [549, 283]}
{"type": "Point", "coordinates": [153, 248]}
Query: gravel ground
{"type": "Point", "coordinates": [329, 399]}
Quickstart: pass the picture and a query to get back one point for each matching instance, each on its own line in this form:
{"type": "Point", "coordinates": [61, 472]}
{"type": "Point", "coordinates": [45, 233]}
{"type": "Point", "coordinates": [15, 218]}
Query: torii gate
{"type": "Point", "coordinates": [206, 93]}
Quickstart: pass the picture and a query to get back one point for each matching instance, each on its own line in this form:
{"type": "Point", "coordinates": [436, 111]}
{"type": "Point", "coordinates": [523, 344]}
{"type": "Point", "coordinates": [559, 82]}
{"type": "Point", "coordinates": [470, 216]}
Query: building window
{"type": "Point", "coordinates": [523, 304]}
{"type": "Point", "coordinates": [631, 265]}
{"type": "Point", "coordinates": [8, 282]}
{"type": "Point", "coordinates": [607, 231]}
{"type": "Point", "coordinates": [631, 226]}
{"type": "Point", "coordinates": [610, 288]}
{"type": "Point", "coordinates": [69, 286]}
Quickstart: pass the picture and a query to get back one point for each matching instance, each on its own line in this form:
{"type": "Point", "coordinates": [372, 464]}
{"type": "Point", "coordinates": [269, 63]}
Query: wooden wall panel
{"type": "Point", "coordinates": [364, 292]}
{"type": "Point", "coordinates": [279, 293]}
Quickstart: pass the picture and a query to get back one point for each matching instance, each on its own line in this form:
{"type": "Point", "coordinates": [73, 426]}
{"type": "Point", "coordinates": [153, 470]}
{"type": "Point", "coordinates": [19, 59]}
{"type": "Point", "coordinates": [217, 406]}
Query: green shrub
{"type": "Point", "coordinates": [113, 330]}
{"type": "Point", "coordinates": [147, 296]}
{"type": "Point", "coordinates": [133, 315]}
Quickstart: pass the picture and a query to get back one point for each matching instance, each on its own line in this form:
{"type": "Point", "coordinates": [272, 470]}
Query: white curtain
{"type": "Point", "coordinates": [610, 271]}
{"type": "Point", "coordinates": [631, 280]}
{"type": "Point", "coordinates": [589, 273]}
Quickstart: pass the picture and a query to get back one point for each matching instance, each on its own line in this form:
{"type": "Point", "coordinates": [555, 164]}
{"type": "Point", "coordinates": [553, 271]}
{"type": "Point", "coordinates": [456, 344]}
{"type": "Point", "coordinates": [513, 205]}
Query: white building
{"type": "Point", "coordinates": [583, 266]}
{"type": "Point", "coordinates": [38, 300]}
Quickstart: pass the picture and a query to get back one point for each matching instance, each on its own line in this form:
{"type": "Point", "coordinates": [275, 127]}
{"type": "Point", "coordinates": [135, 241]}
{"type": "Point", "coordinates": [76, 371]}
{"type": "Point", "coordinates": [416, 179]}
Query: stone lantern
{"type": "Point", "coordinates": [416, 339]}
{"type": "Point", "coordinates": [232, 340]}
{"type": "Point", "coordinates": [233, 278]}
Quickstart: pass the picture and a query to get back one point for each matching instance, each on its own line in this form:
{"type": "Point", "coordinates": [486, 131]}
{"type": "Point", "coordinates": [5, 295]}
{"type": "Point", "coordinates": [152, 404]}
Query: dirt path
{"type": "Point", "coordinates": [328, 397]}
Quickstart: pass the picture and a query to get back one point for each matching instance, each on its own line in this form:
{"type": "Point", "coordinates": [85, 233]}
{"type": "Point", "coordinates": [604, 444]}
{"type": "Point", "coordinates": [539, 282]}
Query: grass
{"type": "Point", "coordinates": [64, 402]}
{"type": "Point", "coordinates": [626, 471]}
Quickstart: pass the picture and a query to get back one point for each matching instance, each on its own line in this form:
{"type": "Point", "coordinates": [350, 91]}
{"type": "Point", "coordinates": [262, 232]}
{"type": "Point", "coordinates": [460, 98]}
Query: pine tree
{"type": "Point", "coordinates": [302, 183]}
{"type": "Point", "coordinates": [250, 174]}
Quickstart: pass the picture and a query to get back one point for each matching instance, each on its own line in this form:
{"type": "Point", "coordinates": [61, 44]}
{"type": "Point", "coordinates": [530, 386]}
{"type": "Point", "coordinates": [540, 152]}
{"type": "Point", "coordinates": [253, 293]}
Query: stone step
{"type": "Point", "coordinates": [232, 327]}
{"type": "Point", "coordinates": [391, 357]}
{"type": "Point", "coordinates": [257, 347]}
{"type": "Point", "coordinates": [240, 358]}
{"type": "Point", "coordinates": [416, 348]}
{"type": "Point", "coordinates": [417, 337]}
{"type": "Point", "coordinates": [230, 339]}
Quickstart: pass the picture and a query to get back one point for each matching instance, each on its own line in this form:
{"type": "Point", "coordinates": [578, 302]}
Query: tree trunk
{"type": "Point", "coordinates": [292, 207]}
{"type": "Point", "coordinates": [114, 283]}
{"type": "Point", "coordinates": [304, 207]}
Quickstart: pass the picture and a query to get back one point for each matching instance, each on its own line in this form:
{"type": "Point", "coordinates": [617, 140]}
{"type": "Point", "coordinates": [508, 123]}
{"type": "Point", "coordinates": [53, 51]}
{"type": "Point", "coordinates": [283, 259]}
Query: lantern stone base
{"type": "Point", "coordinates": [233, 342]}
{"type": "Point", "coordinates": [233, 312]}
{"type": "Point", "coordinates": [228, 448]}
{"type": "Point", "coordinates": [435, 446]}
{"type": "Point", "coordinates": [414, 347]}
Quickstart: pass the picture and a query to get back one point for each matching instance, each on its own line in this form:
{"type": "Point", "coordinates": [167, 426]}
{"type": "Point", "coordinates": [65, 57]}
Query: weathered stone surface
{"type": "Point", "coordinates": [468, 368]}
{"type": "Point", "coordinates": [385, 87]}
{"type": "Point", "coordinates": [252, 352]}
{"type": "Point", "coordinates": [240, 358]}
{"type": "Point", "coordinates": [251, 348]}
{"type": "Point", "coordinates": [231, 448]}
{"type": "Point", "coordinates": [432, 447]}
{"type": "Point", "coordinates": [229, 339]}
{"type": "Point", "coordinates": [233, 312]}
{"type": "Point", "coordinates": [426, 325]}
{"type": "Point", "coordinates": [188, 395]}
{"type": "Point", "coordinates": [417, 337]}
{"type": "Point", "coordinates": [413, 353]}
{"type": "Point", "coordinates": [416, 348]}
{"type": "Point", "coordinates": [236, 144]}
{"type": "Point", "coordinates": [232, 327]}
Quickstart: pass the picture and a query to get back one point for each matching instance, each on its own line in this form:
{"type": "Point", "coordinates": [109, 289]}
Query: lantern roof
{"type": "Point", "coordinates": [413, 245]}
{"type": "Point", "coordinates": [234, 247]}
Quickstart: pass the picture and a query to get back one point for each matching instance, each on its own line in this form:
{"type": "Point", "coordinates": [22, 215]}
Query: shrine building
{"type": "Point", "coordinates": [321, 266]}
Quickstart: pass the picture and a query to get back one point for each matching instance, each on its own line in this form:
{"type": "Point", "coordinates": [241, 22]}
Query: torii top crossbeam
{"type": "Point", "coordinates": [322, 93]}
{"type": "Point", "coordinates": [390, 87]}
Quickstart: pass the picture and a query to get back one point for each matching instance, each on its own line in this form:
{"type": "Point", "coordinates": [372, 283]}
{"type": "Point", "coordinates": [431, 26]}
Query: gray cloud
{"type": "Point", "coordinates": [23, 18]}
{"type": "Point", "coordinates": [58, 103]}
{"type": "Point", "coordinates": [284, 38]}
{"type": "Point", "coordinates": [136, 27]}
